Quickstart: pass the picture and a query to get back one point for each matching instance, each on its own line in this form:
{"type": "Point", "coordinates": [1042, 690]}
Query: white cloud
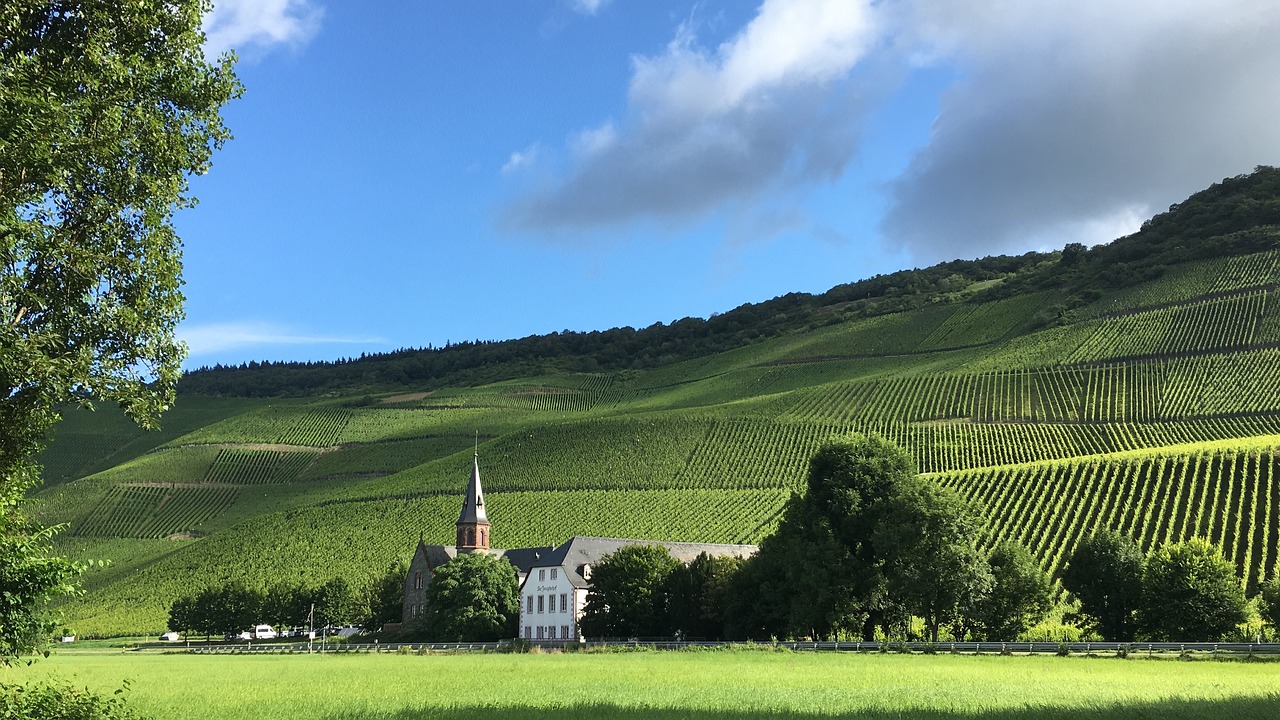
{"type": "Point", "coordinates": [521, 159]}
{"type": "Point", "coordinates": [1075, 119]}
{"type": "Point", "coordinates": [237, 24]}
{"type": "Point", "coordinates": [1068, 119]}
{"type": "Point", "coordinates": [219, 337]}
{"type": "Point", "coordinates": [588, 7]}
{"type": "Point", "coordinates": [704, 127]}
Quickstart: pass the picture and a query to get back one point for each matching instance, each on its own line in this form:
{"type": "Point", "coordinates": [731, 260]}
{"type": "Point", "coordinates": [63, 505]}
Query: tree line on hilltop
{"type": "Point", "coordinates": [1236, 216]}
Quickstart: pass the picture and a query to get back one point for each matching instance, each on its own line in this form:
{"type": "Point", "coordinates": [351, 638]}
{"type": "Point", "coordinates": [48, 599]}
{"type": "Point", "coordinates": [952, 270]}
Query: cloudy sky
{"type": "Point", "coordinates": [416, 173]}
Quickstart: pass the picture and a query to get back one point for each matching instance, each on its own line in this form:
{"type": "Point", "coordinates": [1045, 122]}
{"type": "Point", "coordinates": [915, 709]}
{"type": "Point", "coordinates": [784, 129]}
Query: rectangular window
{"type": "Point", "coordinates": [417, 580]}
{"type": "Point", "coordinates": [553, 573]}
{"type": "Point", "coordinates": [528, 631]}
{"type": "Point", "coordinates": [551, 631]}
{"type": "Point", "coordinates": [564, 631]}
{"type": "Point", "coordinates": [528, 604]}
{"type": "Point", "coordinates": [542, 574]}
{"type": "Point", "coordinates": [539, 603]}
{"type": "Point", "coordinates": [540, 629]}
{"type": "Point", "coordinates": [564, 602]}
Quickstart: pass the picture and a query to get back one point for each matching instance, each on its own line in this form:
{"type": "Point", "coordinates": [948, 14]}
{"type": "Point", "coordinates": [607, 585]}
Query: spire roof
{"type": "Point", "coordinates": [473, 501]}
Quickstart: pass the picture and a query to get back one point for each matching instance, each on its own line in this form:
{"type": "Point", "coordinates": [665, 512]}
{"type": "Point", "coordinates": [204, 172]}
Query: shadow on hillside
{"type": "Point", "coordinates": [1262, 707]}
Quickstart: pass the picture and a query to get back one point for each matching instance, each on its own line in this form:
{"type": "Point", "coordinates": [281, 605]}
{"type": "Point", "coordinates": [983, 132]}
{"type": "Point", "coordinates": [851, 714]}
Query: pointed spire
{"type": "Point", "coordinates": [473, 502]}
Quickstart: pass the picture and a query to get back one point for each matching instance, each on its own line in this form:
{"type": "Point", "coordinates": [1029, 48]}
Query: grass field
{"type": "Point", "coordinates": [706, 685]}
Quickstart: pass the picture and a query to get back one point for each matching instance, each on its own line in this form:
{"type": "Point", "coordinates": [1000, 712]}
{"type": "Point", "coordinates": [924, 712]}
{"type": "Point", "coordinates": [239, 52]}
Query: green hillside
{"type": "Point", "coordinates": [1058, 394]}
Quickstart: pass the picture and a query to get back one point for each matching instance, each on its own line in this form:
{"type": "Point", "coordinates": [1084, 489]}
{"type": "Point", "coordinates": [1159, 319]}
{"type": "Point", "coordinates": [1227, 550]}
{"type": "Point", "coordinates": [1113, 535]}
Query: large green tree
{"type": "Point", "coordinates": [866, 543]}
{"type": "Point", "coordinates": [1190, 592]}
{"type": "Point", "coordinates": [473, 597]}
{"type": "Point", "coordinates": [1020, 596]}
{"type": "Point", "coordinates": [697, 594]}
{"type": "Point", "coordinates": [927, 539]}
{"type": "Point", "coordinates": [1105, 573]}
{"type": "Point", "coordinates": [627, 597]}
{"type": "Point", "coordinates": [106, 109]}
{"type": "Point", "coordinates": [1269, 602]}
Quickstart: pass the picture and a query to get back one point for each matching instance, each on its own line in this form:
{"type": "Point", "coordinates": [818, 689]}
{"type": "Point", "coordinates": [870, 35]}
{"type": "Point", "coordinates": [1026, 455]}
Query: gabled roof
{"type": "Point", "coordinates": [520, 558]}
{"type": "Point", "coordinates": [473, 500]}
{"type": "Point", "coordinates": [579, 551]}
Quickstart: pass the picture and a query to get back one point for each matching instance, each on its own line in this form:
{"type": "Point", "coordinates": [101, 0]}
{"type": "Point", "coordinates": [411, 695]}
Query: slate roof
{"type": "Point", "coordinates": [521, 558]}
{"type": "Point", "coordinates": [579, 551]}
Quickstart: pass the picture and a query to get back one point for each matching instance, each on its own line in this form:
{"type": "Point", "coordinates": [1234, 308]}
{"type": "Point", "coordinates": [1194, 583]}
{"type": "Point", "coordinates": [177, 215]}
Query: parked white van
{"type": "Point", "coordinates": [264, 632]}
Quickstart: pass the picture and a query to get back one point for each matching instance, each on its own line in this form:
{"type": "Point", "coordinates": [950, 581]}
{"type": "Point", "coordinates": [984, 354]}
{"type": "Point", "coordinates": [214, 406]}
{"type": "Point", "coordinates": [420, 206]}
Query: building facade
{"type": "Point", "coordinates": [554, 580]}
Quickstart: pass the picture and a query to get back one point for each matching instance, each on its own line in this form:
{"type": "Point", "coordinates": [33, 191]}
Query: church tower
{"type": "Point", "coordinates": [473, 523]}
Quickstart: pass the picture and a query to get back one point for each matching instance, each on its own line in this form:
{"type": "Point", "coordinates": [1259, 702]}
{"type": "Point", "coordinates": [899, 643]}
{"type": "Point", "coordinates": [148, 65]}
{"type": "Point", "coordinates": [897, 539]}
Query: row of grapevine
{"type": "Point", "coordinates": [154, 511]}
{"type": "Point", "coordinates": [973, 324]}
{"type": "Point", "coordinates": [1230, 497]}
{"type": "Point", "coordinates": [385, 457]}
{"type": "Point", "coordinates": [257, 467]}
{"type": "Point", "coordinates": [315, 428]}
{"type": "Point", "coordinates": [536, 398]}
{"type": "Point", "coordinates": [1248, 271]}
{"type": "Point", "coordinates": [754, 454]}
{"type": "Point", "coordinates": [1155, 390]}
{"type": "Point", "coordinates": [1227, 322]}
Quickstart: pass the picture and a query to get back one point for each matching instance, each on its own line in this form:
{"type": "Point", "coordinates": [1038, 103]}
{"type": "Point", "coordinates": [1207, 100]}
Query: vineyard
{"type": "Point", "coordinates": [1230, 496]}
{"type": "Point", "coordinates": [1153, 410]}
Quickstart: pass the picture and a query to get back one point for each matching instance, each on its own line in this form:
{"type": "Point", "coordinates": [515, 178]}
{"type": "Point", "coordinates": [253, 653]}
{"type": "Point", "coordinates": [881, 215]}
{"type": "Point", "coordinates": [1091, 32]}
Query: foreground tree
{"type": "Point", "coordinates": [1269, 602]}
{"type": "Point", "coordinates": [866, 543]}
{"type": "Point", "coordinates": [1190, 592]}
{"type": "Point", "coordinates": [1020, 594]}
{"type": "Point", "coordinates": [105, 110]}
{"type": "Point", "coordinates": [1105, 574]}
{"type": "Point", "coordinates": [384, 598]}
{"type": "Point", "coordinates": [626, 597]}
{"type": "Point", "coordinates": [697, 594]}
{"type": "Point", "coordinates": [928, 542]}
{"type": "Point", "coordinates": [473, 597]}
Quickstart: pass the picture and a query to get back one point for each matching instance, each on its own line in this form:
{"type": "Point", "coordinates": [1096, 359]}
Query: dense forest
{"type": "Point", "coordinates": [1236, 216]}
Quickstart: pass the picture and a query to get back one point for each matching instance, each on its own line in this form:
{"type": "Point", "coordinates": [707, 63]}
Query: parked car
{"type": "Point", "coordinates": [264, 632]}
{"type": "Point", "coordinates": [170, 637]}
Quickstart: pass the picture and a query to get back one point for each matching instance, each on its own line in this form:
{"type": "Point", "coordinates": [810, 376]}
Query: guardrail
{"type": "Point", "coordinates": [972, 648]}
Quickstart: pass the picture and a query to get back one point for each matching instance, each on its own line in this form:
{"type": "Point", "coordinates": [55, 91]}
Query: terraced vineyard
{"type": "Point", "coordinates": [1153, 410]}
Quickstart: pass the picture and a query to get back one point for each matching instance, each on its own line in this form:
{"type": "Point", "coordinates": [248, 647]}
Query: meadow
{"type": "Point", "coordinates": [711, 685]}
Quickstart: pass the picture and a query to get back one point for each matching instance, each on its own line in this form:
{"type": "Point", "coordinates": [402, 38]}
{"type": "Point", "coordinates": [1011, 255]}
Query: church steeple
{"type": "Point", "coordinates": [473, 523]}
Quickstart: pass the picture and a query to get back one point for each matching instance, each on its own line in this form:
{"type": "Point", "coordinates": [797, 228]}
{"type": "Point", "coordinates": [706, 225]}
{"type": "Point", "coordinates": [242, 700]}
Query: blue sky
{"type": "Point", "coordinates": [421, 172]}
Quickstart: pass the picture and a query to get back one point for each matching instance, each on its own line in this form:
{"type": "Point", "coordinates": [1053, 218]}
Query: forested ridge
{"type": "Point", "coordinates": [1236, 216]}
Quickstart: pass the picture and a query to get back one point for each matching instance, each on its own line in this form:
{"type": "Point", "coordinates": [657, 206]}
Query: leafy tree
{"type": "Point", "coordinates": [867, 542]}
{"type": "Point", "coordinates": [384, 597]}
{"type": "Point", "coordinates": [1020, 594]}
{"type": "Point", "coordinates": [237, 607]}
{"type": "Point", "coordinates": [473, 597]}
{"type": "Point", "coordinates": [927, 539]}
{"type": "Point", "coordinates": [1269, 601]}
{"type": "Point", "coordinates": [1105, 574]}
{"type": "Point", "coordinates": [182, 614]}
{"type": "Point", "coordinates": [626, 597]}
{"type": "Point", "coordinates": [337, 603]}
{"type": "Point", "coordinates": [696, 596]}
{"type": "Point", "coordinates": [286, 605]}
{"type": "Point", "coordinates": [105, 110]}
{"type": "Point", "coordinates": [1190, 592]}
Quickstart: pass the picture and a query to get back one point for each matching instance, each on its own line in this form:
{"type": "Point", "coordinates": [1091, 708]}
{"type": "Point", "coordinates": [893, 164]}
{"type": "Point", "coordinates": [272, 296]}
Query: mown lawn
{"type": "Point", "coordinates": [699, 685]}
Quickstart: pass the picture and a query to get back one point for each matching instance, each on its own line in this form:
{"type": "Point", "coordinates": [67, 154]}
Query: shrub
{"type": "Point", "coordinates": [37, 701]}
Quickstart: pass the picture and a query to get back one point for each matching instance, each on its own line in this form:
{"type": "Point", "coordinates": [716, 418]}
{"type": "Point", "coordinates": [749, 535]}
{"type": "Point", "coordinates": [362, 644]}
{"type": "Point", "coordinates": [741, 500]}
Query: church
{"type": "Point", "coordinates": [554, 580]}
